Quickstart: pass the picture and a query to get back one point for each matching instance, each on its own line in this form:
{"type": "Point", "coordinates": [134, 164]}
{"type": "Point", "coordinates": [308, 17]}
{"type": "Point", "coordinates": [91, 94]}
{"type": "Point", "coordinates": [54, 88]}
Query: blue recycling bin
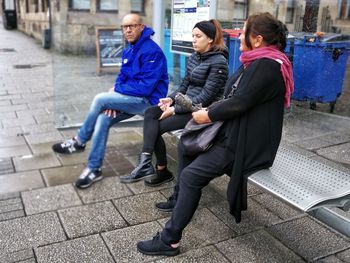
{"type": "Point", "coordinates": [234, 54]}
{"type": "Point", "coordinates": [319, 70]}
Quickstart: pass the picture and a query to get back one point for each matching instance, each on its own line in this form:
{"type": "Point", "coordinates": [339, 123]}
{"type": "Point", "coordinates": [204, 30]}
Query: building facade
{"type": "Point", "coordinates": [72, 23]}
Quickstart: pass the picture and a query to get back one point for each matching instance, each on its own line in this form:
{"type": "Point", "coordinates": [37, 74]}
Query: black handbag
{"type": "Point", "coordinates": [197, 138]}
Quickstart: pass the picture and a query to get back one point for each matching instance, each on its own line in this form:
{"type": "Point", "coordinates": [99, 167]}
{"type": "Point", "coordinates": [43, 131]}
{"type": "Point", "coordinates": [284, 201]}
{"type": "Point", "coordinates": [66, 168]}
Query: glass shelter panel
{"type": "Point", "coordinates": [87, 48]}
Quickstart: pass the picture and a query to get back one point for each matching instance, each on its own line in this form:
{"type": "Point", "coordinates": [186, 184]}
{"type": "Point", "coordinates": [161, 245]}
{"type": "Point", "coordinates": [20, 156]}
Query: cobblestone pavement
{"type": "Point", "coordinates": [44, 218]}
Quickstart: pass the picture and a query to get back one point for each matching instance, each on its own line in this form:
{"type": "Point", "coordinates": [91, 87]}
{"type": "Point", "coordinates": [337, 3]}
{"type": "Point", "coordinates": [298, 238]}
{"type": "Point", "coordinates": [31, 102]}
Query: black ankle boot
{"type": "Point", "coordinates": [143, 170]}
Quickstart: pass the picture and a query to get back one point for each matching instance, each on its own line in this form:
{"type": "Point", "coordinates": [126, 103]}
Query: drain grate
{"type": "Point", "coordinates": [27, 66]}
{"type": "Point", "coordinates": [6, 166]}
{"type": "Point", "coordinates": [7, 50]}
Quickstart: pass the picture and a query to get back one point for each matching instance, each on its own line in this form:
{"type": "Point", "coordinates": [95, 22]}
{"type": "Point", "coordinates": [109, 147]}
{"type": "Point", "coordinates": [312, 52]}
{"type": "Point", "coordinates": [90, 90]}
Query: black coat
{"type": "Point", "coordinates": [253, 124]}
{"type": "Point", "coordinates": [204, 82]}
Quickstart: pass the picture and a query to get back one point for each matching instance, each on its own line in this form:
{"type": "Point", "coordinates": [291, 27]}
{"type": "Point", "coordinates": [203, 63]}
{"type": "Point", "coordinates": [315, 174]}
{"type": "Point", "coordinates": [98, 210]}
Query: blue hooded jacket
{"type": "Point", "coordinates": [144, 70]}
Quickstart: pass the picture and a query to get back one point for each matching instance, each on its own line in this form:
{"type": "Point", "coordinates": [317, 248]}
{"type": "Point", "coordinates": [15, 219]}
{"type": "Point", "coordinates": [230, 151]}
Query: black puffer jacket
{"type": "Point", "coordinates": [205, 78]}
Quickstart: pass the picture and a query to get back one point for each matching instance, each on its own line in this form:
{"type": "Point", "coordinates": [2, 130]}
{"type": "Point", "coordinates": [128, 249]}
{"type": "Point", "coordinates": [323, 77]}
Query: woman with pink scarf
{"type": "Point", "coordinates": [252, 111]}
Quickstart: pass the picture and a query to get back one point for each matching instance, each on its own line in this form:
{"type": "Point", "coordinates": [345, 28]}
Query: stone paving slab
{"type": "Point", "coordinates": [107, 189]}
{"type": "Point", "coordinates": [330, 259]}
{"type": "Point", "coordinates": [6, 166]}
{"type": "Point", "coordinates": [122, 137]}
{"type": "Point", "coordinates": [344, 256]}
{"type": "Point", "coordinates": [204, 229]}
{"type": "Point", "coordinates": [259, 247]}
{"type": "Point", "coordinates": [339, 153]}
{"type": "Point", "coordinates": [50, 199]}
{"type": "Point", "coordinates": [85, 249]}
{"type": "Point", "coordinates": [117, 161]}
{"type": "Point", "coordinates": [122, 242]}
{"type": "Point", "coordinates": [308, 238]}
{"type": "Point", "coordinates": [91, 219]}
{"type": "Point", "coordinates": [11, 141]}
{"type": "Point", "coordinates": [41, 148]}
{"type": "Point", "coordinates": [17, 150]}
{"type": "Point", "coordinates": [12, 215]}
{"type": "Point", "coordinates": [10, 205]}
{"type": "Point", "coordinates": [139, 209]}
{"type": "Point", "coordinates": [140, 187]}
{"type": "Point", "coordinates": [254, 218]}
{"type": "Point", "coordinates": [31, 162]}
{"type": "Point", "coordinates": [280, 209]}
{"type": "Point", "coordinates": [207, 254]}
{"type": "Point", "coordinates": [62, 175]}
{"type": "Point", "coordinates": [209, 196]}
{"type": "Point", "coordinates": [323, 141]}
{"type": "Point", "coordinates": [32, 231]}
{"type": "Point", "coordinates": [18, 256]}
{"type": "Point", "coordinates": [41, 137]}
{"type": "Point", "coordinates": [16, 182]}
{"type": "Point", "coordinates": [73, 159]}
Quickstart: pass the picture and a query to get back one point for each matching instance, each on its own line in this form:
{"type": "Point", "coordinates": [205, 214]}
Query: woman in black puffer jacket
{"type": "Point", "coordinates": [206, 75]}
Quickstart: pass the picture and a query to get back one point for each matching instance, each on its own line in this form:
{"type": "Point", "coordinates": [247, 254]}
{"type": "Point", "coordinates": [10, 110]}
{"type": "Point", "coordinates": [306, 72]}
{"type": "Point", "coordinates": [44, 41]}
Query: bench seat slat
{"type": "Point", "coordinates": [303, 182]}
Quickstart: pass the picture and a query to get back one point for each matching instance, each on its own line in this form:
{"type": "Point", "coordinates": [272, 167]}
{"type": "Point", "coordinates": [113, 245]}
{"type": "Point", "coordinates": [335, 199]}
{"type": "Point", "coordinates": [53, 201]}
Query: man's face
{"type": "Point", "coordinates": [132, 28]}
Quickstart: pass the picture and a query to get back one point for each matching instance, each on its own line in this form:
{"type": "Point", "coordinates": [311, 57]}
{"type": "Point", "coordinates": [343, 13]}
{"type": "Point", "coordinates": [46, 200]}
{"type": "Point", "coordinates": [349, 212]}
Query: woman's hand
{"type": "Point", "coordinates": [167, 112]}
{"type": "Point", "coordinates": [201, 116]}
{"type": "Point", "coordinates": [165, 103]}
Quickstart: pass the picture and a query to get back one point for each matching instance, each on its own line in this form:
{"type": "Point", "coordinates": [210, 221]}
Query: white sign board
{"type": "Point", "coordinates": [185, 14]}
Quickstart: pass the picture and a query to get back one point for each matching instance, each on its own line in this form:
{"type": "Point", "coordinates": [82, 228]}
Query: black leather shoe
{"type": "Point", "coordinates": [156, 246]}
{"type": "Point", "coordinates": [167, 206]}
{"type": "Point", "coordinates": [142, 170]}
{"type": "Point", "coordinates": [161, 177]}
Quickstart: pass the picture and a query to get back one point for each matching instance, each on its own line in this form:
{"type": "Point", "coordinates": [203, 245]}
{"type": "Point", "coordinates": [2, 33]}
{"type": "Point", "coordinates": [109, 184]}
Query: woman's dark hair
{"type": "Point", "coordinates": [218, 41]}
{"type": "Point", "coordinates": [273, 31]}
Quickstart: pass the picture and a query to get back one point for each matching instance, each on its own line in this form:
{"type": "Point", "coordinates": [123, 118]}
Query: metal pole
{"type": "Point", "coordinates": [158, 22]}
{"type": "Point", "coordinates": [331, 218]}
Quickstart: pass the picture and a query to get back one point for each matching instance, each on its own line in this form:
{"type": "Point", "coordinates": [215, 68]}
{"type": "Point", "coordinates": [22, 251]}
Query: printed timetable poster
{"type": "Point", "coordinates": [185, 14]}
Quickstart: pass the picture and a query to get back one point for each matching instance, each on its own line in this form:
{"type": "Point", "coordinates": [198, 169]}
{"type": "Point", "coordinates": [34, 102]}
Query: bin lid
{"type": "Point", "coordinates": [234, 33]}
{"type": "Point", "coordinates": [326, 37]}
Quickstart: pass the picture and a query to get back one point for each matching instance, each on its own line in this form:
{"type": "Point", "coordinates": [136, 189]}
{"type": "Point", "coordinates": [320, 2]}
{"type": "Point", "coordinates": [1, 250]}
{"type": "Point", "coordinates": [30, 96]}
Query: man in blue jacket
{"type": "Point", "coordinates": [142, 81]}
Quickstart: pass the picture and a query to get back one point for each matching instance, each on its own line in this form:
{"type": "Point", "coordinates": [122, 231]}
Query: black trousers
{"type": "Point", "coordinates": [153, 128]}
{"type": "Point", "coordinates": [194, 173]}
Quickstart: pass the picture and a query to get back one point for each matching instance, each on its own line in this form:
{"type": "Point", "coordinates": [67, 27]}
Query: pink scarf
{"type": "Point", "coordinates": [273, 52]}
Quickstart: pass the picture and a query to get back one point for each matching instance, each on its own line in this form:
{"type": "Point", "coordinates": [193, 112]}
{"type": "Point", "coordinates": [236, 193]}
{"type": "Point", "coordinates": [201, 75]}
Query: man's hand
{"type": "Point", "coordinates": [165, 103]}
{"type": "Point", "coordinates": [167, 112]}
{"type": "Point", "coordinates": [111, 113]}
{"type": "Point", "coordinates": [201, 116]}
{"type": "Point", "coordinates": [111, 90]}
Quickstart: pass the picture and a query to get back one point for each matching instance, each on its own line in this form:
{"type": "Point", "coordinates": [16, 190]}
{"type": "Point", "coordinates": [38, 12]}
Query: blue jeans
{"type": "Point", "coordinates": [96, 125]}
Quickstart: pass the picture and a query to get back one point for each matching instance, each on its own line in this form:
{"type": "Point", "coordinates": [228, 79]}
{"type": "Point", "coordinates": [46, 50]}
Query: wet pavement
{"type": "Point", "coordinates": [44, 218]}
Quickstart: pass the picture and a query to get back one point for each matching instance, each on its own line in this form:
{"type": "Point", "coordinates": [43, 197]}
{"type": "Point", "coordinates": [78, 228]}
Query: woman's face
{"type": "Point", "coordinates": [256, 42]}
{"type": "Point", "coordinates": [243, 47]}
{"type": "Point", "coordinates": [200, 42]}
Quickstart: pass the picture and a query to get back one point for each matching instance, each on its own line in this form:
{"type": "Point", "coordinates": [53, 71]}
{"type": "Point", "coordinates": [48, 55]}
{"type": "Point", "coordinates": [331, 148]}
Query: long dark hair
{"type": "Point", "coordinates": [273, 31]}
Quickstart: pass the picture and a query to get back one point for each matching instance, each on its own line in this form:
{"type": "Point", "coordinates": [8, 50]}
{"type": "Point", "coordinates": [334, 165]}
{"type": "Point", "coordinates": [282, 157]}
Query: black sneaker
{"type": "Point", "coordinates": [68, 147]}
{"type": "Point", "coordinates": [88, 177]}
{"type": "Point", "coordinates": [161, 177]}
{"type": "Point", "coordinates": [156, 246]}
{"type": "Point", "coordinates": [167, 206]}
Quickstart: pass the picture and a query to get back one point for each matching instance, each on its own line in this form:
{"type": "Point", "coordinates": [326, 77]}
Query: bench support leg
{"type": "Point", "coordinates": [334, 220]}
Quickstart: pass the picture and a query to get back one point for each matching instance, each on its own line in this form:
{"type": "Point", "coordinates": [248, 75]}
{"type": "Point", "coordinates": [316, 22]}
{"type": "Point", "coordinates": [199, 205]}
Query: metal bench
{"type": "Point", "coordinates": [306, 185]}
{"type": "Point", "coordinates": [309, 186]}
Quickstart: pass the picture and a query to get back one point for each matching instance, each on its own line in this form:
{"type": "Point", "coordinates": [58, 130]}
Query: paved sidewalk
{"type": "Point", "coordinates": [44, 218]}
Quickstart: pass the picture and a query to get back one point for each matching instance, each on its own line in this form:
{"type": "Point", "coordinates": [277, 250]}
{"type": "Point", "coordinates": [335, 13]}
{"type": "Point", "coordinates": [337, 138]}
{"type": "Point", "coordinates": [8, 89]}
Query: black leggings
{"type": "Point", "coordinates": [153, 128]}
